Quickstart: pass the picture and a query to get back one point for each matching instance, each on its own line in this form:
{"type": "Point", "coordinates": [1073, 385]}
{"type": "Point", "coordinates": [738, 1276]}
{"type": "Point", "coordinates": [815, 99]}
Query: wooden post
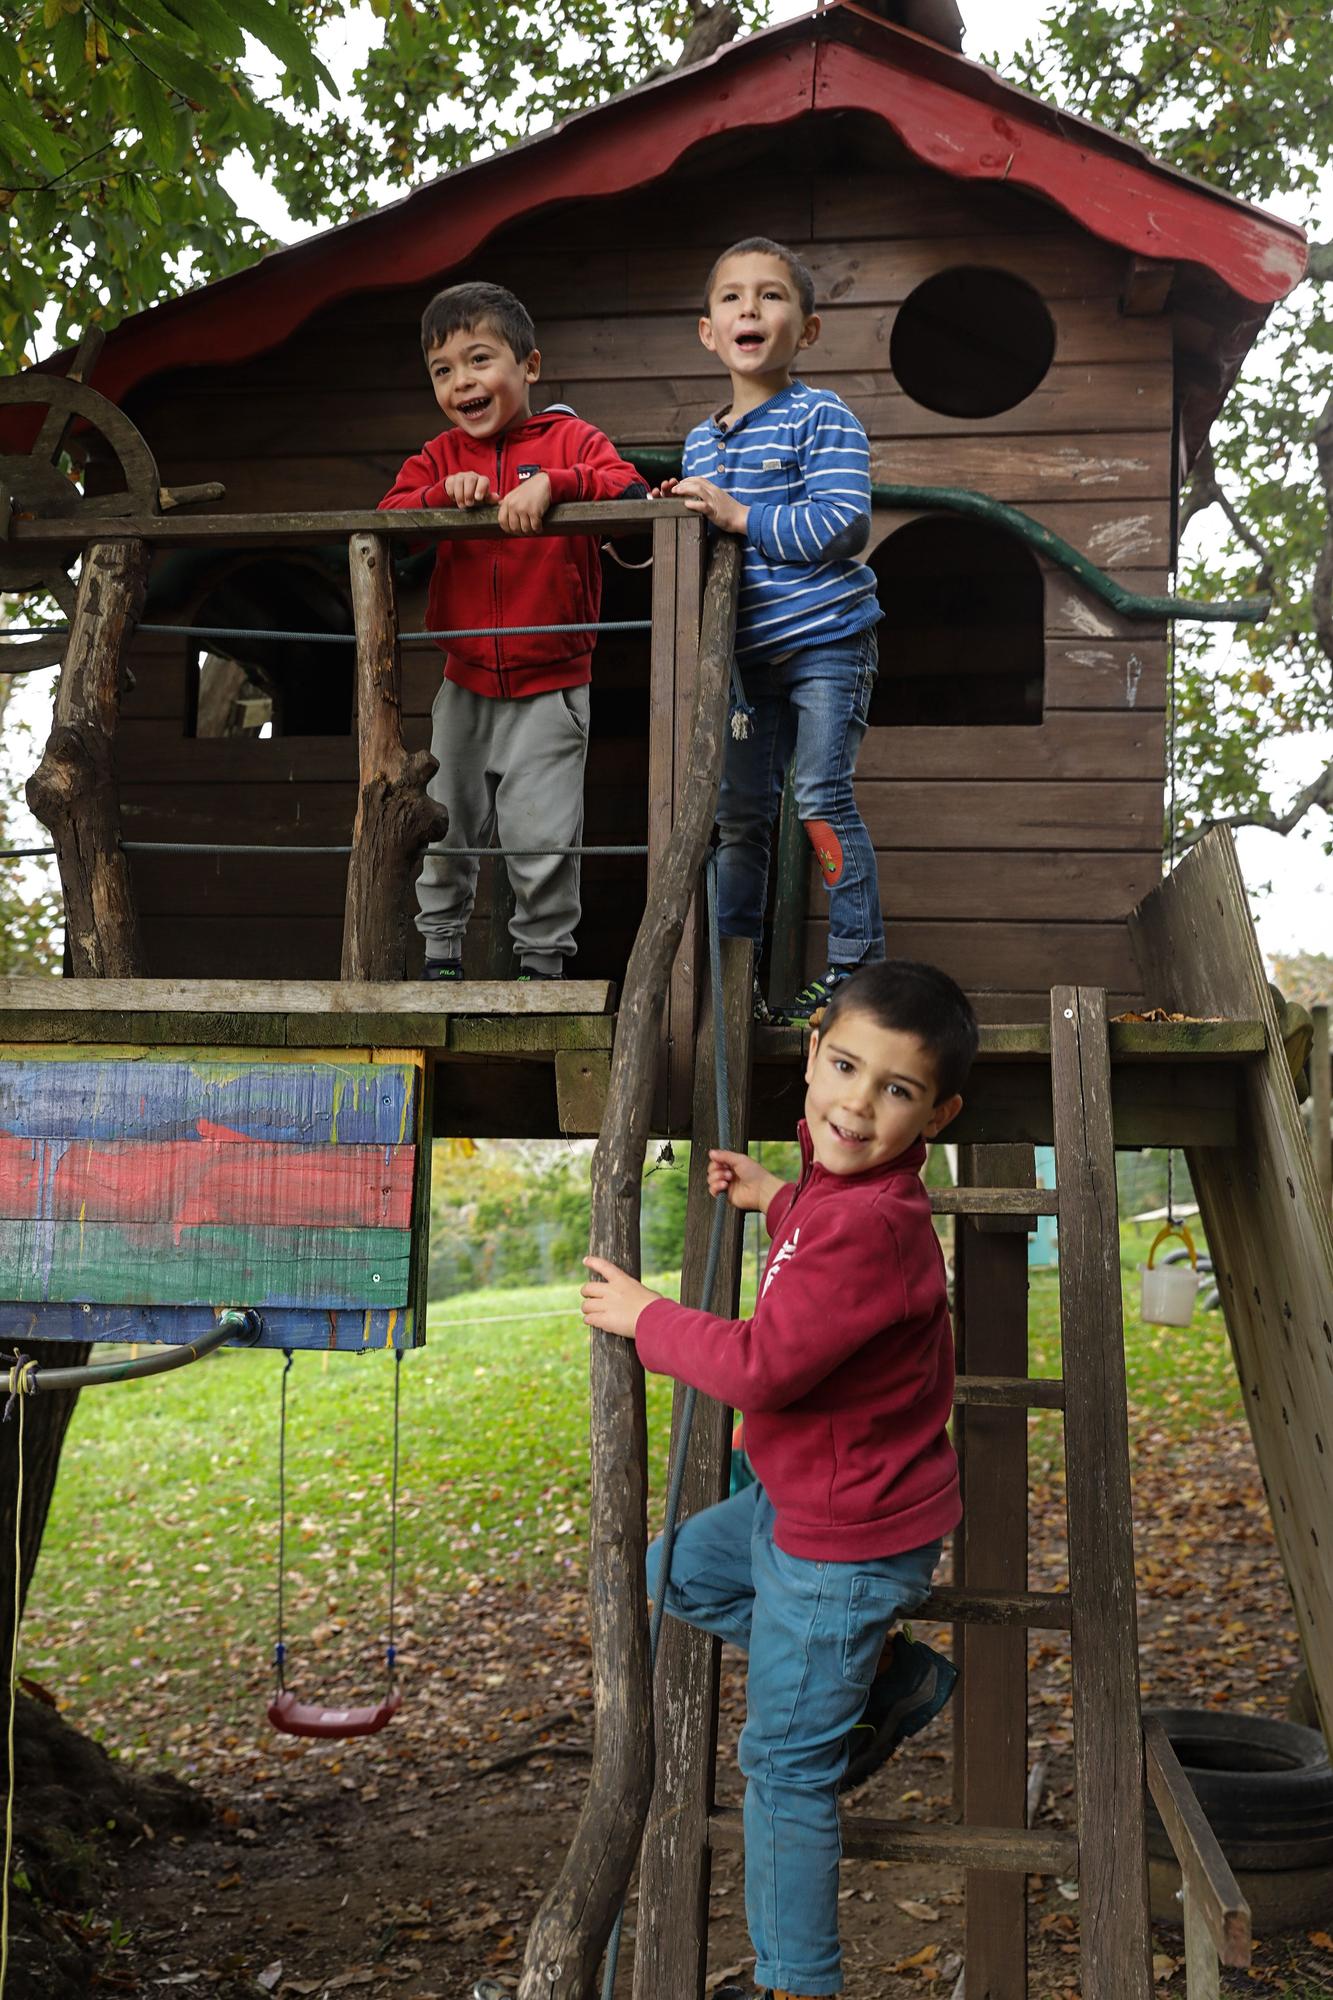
{"type": "Point", "coordinates": [394, 817]}
{"type": "Point", "coordinates": [1267, 1226]}
{"type": "Point", "coordinates": [671, 1937]}
{"type": "Point", "coordinates": [1321, 1086]}
{"type": "Point", "coordinates": [73, 791]}
{"type": "Point", "coordinates": [991, 1553]}
{"type": "Point", "coordinates": [1114, 1930]}
{"type": "Point", "coordinates": [678, 552]}
{"type": "Point", "coordinates": [571, 1928]}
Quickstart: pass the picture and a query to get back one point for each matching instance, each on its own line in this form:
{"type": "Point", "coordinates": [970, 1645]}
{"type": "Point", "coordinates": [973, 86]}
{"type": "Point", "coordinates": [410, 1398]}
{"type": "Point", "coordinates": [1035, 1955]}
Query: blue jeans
{"type": "Point", "coordinates": [810, 712]}
{"type": "Point", "coordinates": [814, 1632]}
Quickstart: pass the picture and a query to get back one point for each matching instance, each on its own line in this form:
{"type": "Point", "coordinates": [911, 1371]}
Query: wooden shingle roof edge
{"type": "Point", "coordinates": [950, 112]}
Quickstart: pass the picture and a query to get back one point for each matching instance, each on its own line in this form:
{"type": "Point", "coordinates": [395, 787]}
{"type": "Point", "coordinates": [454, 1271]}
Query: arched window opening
{"type": "Point", "coordinates": [267, 684]}
{"type": "Point", "coordinates": [971, 342]}
{"type": "Point", "coordinates": [962, 641]}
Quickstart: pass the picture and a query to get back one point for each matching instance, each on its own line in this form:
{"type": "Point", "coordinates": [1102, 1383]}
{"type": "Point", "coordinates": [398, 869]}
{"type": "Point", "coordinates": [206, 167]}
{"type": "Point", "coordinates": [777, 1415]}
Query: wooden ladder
{"type": "Point", "coordinates": [1107, 1854]}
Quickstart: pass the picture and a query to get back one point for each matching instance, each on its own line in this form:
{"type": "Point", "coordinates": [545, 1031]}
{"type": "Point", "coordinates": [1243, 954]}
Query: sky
{"type": "Point", "coordinates": [1291, 881]}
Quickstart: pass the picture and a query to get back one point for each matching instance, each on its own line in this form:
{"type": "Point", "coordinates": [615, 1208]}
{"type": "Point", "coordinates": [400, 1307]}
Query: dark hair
{"type": "Point", "coordinates": [915, 1000]}
{"type": "Point", "coordinates": [764, 246]}
{"type": "Point", "coordinates": [462, 308]}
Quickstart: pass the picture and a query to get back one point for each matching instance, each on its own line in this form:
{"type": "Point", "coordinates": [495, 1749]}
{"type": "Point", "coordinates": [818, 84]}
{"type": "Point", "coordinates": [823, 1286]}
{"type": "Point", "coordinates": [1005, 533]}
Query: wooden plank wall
{"type": "Point", "coordinates": [1010, 855]}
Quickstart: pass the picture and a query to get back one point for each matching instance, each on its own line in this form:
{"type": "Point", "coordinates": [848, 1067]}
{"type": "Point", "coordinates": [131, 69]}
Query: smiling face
{"type": "Point", "coordinates": [479, 382]}
{"type": "Point", "coordinates": [870, 1094]}
{"type": "Point", "coordinates": [755, 324]}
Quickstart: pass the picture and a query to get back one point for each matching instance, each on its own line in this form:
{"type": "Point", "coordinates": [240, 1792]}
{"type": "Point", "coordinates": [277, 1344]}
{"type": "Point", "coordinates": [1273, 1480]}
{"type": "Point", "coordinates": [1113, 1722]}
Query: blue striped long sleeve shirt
{"type": "Point", "coordinates": [801, 463]}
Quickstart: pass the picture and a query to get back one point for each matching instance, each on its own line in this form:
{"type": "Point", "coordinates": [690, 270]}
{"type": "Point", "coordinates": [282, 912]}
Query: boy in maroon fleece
{"type": "Point", "coordinates": [509, 726]}
{"type": "Point", "coordinates": [845, 1375]}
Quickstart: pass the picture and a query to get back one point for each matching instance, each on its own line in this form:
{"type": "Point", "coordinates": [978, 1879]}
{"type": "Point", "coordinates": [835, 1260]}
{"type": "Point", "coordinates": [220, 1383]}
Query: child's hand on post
{"type": "Point", "coordinates": [468, 489]}
{"type": "Point", "coordinates": [702, 497]}
{"type": "Point", "coordinates": [523, 511]}
{"type": "Point", "coordinates": [613, 1300]}
{"type": "Point", "coordinates": [745, 1183]}
{"type": "Point", "coordinates": [665, 490]}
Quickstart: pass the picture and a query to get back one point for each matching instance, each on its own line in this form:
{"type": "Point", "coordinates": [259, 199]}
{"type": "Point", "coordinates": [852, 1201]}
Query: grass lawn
{"type": "Point", "coordinates": [160, 1558]}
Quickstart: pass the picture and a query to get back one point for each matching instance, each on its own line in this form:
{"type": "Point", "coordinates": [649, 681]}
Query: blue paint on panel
{"type": "Point", "coordinates": [342, 1332]}
{"type": "Point", "coordinates": [317, 1103]}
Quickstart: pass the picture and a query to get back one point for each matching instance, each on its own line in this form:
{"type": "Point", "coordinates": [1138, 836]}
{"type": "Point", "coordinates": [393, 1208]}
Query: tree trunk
{"type": "Point", "coordinates": [394, 817]}
{"type": "Point", "coordinates": [73, 792]}
{"type": "Point", "coordinates": [571, 1928]}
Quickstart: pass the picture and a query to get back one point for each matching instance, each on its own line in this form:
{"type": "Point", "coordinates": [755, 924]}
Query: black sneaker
{"type": "Point", "coordinates": [527, 978]}
{"type": "Point", "coordinates": [903, 1698]}
{"type": "Point", "coordinates": [444, 968]}
{"type": "Point", "coordinates": [812, 999]}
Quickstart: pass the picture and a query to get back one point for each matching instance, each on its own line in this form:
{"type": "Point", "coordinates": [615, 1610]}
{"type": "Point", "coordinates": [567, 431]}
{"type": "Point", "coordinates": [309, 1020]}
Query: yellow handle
{"type": "Point", "coordinates": [1174, 1229]}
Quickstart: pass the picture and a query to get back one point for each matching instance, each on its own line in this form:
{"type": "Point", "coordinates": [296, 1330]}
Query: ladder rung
{"type": "Point", "coordinates": [1010, 1392]}
{"type": "Point", "coordinates": [1040, 1610]}
{"type": "Point", "coordinates": [1026, 1851]}
{"type": "Point", "coordinates": [994, 1201]}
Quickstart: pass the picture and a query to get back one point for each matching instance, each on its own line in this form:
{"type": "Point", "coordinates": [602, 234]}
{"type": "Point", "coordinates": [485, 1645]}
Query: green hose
{"type": "Point", "coordinates": [964, 500]}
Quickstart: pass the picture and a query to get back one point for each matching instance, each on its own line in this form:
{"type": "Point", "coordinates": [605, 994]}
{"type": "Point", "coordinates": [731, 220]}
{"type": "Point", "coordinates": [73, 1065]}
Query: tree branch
{"type": "Point", "coordinates": [1205, 491]}
{"type": "Point", "coordinates": [1317, 793]}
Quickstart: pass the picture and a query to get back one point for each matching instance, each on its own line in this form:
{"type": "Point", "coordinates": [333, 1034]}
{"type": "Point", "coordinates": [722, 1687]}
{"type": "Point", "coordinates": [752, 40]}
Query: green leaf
{"type": "Point", "coordinates": [67, 40]}
{"type": "Point", "coordinates": [146, 202]}
{"type": "Point", "coordinates": [270, 23]}
{"type": "Point", "coordinates": [32, 134]}
{"type": "Point", "coordinates": [213, 26]}
{"type": "Point", "coordinates": [191, 79]}
{"type": "Point", "coordinates": [151, 113]}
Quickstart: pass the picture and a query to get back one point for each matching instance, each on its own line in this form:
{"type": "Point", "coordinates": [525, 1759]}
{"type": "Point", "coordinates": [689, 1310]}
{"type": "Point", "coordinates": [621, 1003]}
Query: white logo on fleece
{"type": "Point", "coordinates": [779, 1258]}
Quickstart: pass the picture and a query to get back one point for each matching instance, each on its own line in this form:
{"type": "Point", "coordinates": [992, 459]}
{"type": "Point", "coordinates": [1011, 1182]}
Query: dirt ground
{"type": "Point", "coordinates": [404, 1865]}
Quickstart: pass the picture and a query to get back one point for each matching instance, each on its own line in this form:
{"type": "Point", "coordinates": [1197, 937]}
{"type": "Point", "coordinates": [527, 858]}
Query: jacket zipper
{"type": "Point", "coordinates": [495, 569]}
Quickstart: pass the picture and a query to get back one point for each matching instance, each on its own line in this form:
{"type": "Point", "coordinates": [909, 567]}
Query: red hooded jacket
{"type": "Point", "coordinates": [845, 1372]}
{"type": "Point", "coordinates": [517, 580]}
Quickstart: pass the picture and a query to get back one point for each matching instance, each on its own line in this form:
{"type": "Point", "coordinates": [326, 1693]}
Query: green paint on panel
{"type": "Point", "coordinates": [158, 1264]}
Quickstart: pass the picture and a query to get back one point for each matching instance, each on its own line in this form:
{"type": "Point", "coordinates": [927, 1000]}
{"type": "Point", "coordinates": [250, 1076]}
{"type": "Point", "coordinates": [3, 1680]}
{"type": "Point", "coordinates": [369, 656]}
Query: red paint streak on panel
{"type": "Point", "coordinates": [188, 1182]}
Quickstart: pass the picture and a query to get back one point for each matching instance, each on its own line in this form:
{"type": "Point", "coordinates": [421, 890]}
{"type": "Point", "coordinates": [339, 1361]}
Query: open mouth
{"type": "Point", "coordinates": [749, 343]}
{"type": "Point", "coordinates": [476, 406]}
{"type": "Point", "coordinates": [846, 1137]}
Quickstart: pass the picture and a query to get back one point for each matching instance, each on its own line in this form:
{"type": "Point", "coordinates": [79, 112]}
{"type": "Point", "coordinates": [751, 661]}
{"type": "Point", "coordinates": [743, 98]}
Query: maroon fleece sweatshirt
{"type": "Point", "coordinates": [845, 1372]}
{"type": "Point", "coordinates": [519, 580]}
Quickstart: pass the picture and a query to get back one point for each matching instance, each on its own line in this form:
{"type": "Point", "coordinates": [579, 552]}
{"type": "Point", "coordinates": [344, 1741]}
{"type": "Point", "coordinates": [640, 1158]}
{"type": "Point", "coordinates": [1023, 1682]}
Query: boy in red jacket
{"type": "Point", "coordinates": [845, 1375]}
{"type": "Point", "coordinates": [509, 726]}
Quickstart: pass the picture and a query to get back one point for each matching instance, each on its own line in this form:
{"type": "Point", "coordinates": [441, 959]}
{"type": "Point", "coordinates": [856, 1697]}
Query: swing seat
{"type": "Point", "coordinates": [308, 1718]}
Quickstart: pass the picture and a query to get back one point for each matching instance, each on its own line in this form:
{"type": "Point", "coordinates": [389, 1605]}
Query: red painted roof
{"type": "Point", "coordinates": [951, 113]}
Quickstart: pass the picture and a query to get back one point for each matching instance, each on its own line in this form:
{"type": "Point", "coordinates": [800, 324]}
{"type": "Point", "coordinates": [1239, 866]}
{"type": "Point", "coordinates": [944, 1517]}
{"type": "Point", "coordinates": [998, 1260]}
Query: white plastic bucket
{"type": "Point", "coordinates": [1169, 1290]}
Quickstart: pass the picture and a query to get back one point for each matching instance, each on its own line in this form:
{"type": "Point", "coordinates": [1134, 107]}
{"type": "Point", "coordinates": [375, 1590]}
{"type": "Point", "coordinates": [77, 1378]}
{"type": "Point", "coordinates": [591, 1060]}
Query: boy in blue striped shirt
{"type": "Point", "coordinates": [788, 468]}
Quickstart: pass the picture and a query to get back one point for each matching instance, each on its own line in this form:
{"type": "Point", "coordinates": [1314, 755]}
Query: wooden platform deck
{"type": "Point", "coordinates": [529, 1061]}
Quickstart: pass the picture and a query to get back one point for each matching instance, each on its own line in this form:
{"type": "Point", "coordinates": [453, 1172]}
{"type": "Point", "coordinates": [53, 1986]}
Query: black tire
{"type": "Point", "coordinates": [1266, 1787]}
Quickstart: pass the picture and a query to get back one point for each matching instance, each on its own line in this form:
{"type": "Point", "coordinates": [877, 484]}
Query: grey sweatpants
{"type": "Point", "coordinates": [512, 771]}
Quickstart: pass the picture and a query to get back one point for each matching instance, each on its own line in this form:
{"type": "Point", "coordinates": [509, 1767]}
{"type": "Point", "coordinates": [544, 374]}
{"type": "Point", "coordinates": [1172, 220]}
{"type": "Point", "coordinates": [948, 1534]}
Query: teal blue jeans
{"type": "Point", "coordinates": [814, 1632]}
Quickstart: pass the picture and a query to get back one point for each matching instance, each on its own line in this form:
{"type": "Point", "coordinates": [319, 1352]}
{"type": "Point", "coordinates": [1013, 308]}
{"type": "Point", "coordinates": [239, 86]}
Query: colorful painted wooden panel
{"type": "Point", "coordinates": [139, 1193]}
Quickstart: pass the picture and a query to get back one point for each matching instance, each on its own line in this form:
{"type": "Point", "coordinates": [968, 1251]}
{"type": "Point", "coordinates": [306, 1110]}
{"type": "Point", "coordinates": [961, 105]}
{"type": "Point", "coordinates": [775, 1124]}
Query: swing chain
{"type": "Point", "coordinates": [391, 1650]}
{"type": "Point", "coordinates": [280, 1649]}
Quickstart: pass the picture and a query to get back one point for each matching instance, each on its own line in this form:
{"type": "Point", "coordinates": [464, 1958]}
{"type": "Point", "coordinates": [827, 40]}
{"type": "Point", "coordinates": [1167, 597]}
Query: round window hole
{"type": "Point", "coordinates": [971, 342]}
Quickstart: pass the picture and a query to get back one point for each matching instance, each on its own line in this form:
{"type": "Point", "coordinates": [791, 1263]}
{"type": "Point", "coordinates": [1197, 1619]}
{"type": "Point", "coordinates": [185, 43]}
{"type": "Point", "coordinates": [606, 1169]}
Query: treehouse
{"type": "Point", "coordinates": [1014, 302]}
{"type": "Point", "coordinates": [1037, 324]}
